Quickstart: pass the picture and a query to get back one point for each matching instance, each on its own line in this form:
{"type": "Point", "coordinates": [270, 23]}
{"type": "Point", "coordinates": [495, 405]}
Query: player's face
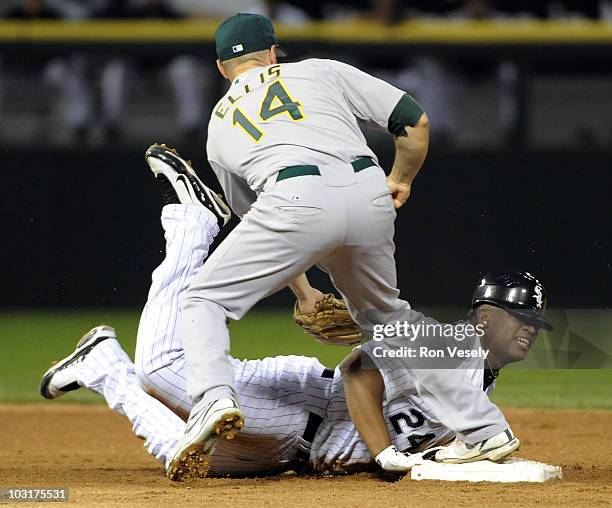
{"type": "Point", "coordinates": [510, 338]}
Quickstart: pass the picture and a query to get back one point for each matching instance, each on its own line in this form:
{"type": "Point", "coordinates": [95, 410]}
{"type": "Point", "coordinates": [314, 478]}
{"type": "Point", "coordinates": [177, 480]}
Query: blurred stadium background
{"type": "Point", "coordinates": [519, 95]}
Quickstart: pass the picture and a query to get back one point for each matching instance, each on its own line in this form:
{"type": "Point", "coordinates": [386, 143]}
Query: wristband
{"type": "Point", "coordinates": [385, 455]}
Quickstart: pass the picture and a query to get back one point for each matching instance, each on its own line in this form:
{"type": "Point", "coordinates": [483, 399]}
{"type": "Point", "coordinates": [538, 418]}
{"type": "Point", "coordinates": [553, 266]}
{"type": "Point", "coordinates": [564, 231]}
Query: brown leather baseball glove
{"type": "Point", "coordinates": [330, 323]}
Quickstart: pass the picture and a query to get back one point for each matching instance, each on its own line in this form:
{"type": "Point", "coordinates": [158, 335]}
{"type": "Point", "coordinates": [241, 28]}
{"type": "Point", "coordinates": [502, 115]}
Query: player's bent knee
{"type": "Point", "coordinates": [142, 374]}
{"type": "Point", "coordinates": [147, 383]}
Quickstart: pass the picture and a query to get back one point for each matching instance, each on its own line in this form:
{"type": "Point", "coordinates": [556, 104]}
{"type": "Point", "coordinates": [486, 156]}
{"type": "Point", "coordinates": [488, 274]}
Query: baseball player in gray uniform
{"type": "Point", "coordinates": [295, 409]}
{"type": "Point", "coordinates": [286, 146]}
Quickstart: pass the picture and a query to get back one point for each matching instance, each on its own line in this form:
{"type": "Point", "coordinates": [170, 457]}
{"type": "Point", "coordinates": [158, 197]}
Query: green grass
{"type": "Point", "coordinates": [29, 341]}
{"type": "Point", "coordinates": [555, 388]}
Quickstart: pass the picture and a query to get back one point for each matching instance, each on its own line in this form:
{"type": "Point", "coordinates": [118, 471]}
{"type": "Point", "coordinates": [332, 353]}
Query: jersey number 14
{"type": "Point", "coordinates": [276, 102]}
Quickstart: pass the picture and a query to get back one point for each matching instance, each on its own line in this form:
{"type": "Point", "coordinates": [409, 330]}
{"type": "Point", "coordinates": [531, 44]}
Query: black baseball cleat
{"type": "Point", "coordinates": [179, 183]}
{"type": "Point", "coordinates": [61, 376]}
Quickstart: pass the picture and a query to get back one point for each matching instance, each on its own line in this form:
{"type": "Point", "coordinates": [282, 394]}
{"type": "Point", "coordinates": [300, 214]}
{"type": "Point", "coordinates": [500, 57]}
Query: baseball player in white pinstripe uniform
{"type": "Point", "coordinates": [279, 395]}
{"type": "Point", "coordinates": [295, 409]}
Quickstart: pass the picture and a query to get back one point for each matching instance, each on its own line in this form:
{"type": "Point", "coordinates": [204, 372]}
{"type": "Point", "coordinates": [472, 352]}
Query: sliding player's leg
{"type": "Point", "coordinates": [100, 364]}
{"type": "Point", "coordinates": [191, 218]}
{"type": "Point", "coordinates": [160, 360]}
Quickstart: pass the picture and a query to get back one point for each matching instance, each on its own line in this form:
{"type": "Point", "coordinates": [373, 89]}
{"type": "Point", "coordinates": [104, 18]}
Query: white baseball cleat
{"type": "Point", "coordinates": [494, 449]}
{"type": "Point", "coordinates": [391, 459]}
{"type": "Point", "coordinates": [61, 376]}
{"type": "Point", "coordinates": [220, 418]}
{"type": "Point", "coordinates": [179, 183]}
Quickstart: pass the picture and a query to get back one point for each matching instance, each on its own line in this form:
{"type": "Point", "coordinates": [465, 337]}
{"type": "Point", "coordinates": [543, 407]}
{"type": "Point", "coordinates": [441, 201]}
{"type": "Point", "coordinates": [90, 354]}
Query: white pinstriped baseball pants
{"type": "Point", "coordinates": [160, 359]}
{"type": "Point", "coordinates": [278, 393]}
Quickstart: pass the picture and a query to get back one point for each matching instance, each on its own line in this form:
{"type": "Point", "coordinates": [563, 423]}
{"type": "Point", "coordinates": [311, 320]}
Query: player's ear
{"type": "Point", "coordinates": [273, 59]}
{"type": "Point", "coordinates": [483, 314]}
{"type": "Point", "coordinates": [222, 69]}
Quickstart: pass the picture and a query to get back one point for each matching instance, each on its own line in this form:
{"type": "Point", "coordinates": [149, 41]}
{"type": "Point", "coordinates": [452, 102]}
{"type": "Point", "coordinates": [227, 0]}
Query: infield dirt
{"type": "Point", "coordinates": [93, 452]}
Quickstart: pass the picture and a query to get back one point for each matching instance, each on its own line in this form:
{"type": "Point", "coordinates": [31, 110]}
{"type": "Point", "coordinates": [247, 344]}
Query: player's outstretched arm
{"type": "Point", "coordinates": [410, 153]}
{"type": "Point", "coordinates": [364, 389]}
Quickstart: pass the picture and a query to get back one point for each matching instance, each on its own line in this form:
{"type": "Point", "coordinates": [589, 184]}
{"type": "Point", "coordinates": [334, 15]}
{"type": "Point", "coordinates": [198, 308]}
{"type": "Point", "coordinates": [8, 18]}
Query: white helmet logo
{"type": "Point", "coordinates": [539, 297]}
{"type": "Point", "coordinates": [237, 48]}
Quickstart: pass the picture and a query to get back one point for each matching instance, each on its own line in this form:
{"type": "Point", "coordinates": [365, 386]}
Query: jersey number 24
{"type": "Point", "coordinates": [276, 102]}
{"type": "Point", "coordinates": [404, 424]}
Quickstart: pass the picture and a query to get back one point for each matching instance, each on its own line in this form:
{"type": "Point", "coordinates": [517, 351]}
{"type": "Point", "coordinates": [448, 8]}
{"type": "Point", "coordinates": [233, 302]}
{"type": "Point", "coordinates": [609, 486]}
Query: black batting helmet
{"type": "Point", "coordinates": [515, 291]}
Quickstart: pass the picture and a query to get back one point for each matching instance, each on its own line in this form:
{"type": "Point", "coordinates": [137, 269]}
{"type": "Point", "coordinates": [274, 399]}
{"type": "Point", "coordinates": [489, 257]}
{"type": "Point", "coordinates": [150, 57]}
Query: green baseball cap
{"type": "Point", "coordinates": [245, 33]}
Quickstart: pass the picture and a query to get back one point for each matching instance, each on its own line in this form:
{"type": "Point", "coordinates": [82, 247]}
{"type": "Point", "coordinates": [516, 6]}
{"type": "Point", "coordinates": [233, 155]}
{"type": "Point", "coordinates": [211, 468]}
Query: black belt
{"type": "Point", "coordinates": [314, 421]}
{"type": "Point", "coordinates": [310, 169]}
{"type": "Point", "coordinates": [313, 424]}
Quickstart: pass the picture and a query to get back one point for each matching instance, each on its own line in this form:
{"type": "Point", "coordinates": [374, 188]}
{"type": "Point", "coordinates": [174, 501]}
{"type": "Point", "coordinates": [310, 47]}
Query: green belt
{"type": "Point", "coordinates": [309, 169]}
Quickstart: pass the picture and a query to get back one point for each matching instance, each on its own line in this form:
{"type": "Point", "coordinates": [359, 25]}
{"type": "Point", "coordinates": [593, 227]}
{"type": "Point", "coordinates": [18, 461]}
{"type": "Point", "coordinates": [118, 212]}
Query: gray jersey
{"type": "Point", "coordinates": [292, 114]}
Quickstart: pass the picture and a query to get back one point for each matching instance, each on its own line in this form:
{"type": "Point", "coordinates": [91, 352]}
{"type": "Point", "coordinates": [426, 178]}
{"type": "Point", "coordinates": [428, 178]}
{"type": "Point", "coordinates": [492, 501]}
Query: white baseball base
{"type": "Point", "coordinates": [511, 470]}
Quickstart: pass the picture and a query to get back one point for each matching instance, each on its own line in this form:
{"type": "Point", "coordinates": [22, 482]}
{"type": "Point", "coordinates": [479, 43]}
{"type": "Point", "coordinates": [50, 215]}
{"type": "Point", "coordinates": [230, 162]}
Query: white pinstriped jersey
{"type": "Point", "coordinates": [411, 424]}
{"type": "Point", "coordinates": [276, 396]}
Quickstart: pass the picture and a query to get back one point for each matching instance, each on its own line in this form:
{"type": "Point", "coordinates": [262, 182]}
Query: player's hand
{"type": "Point", "coordinates": [307, 302]}
{"type": "Point", "coordinates": [400, 192]}
{"type": "Point", "coordinates": [329, 322]}
{"type": "Point", "coordinates": [391, 459]}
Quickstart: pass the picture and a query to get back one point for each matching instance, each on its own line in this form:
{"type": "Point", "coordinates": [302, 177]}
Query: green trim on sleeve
{"type": "Point", "coordinates": [407, 112]}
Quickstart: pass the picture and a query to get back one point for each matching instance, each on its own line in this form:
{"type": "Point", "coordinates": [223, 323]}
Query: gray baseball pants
{"type": "Point", "coordinates": [342, 221]}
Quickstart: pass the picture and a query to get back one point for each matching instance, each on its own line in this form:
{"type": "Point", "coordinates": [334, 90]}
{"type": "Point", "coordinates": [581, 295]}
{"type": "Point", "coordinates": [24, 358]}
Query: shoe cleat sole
{"type": "Point", "coordinates": [229, 426]}
{"type": "Point", "coordinates": [194, 463]}
{"type": "Point", "coordinates": [192, 466]}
